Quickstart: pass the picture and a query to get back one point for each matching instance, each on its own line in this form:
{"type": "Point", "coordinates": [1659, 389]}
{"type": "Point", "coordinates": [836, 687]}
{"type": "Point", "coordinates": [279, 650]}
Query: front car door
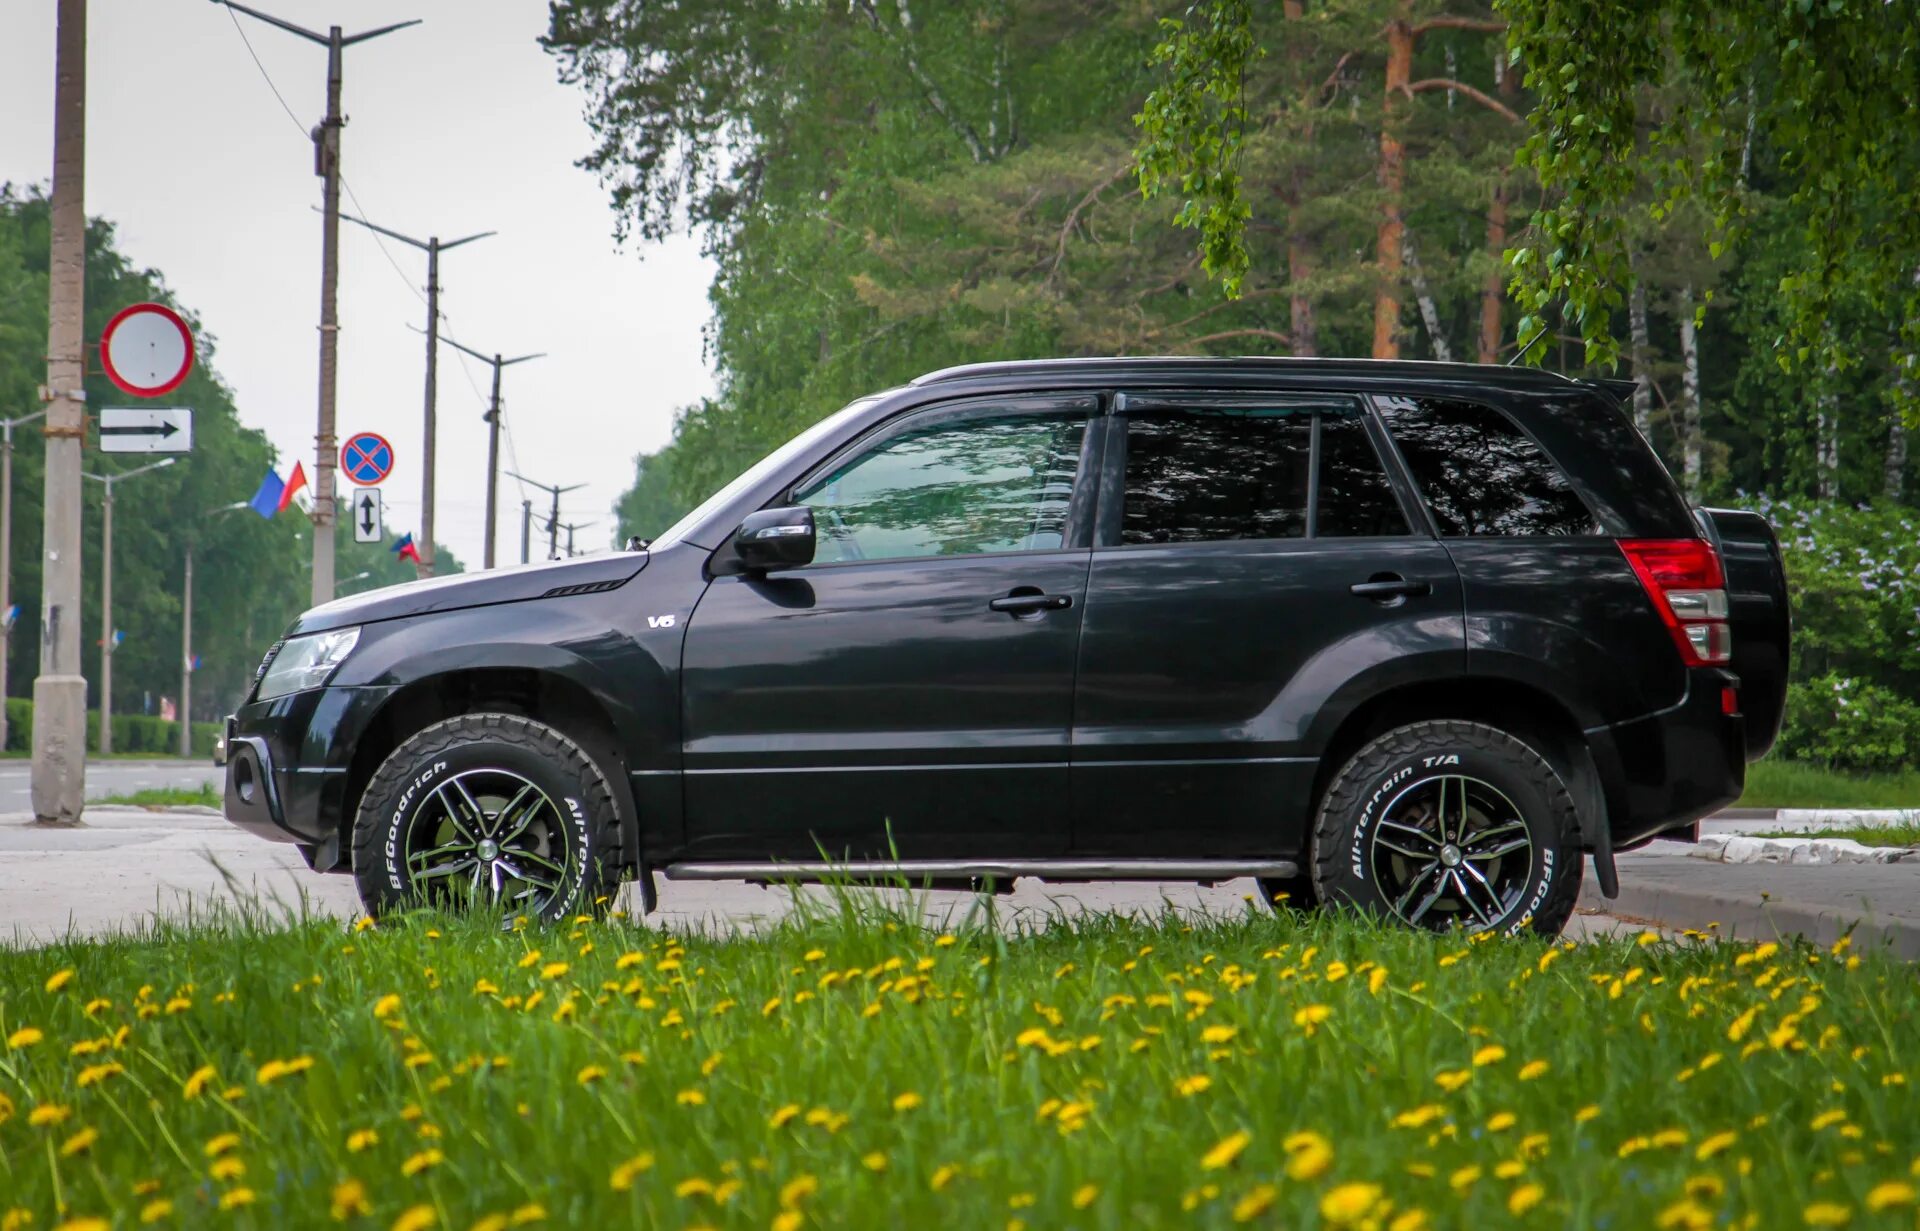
{"type": "Point", "coordinates": [911, 690]}
{"type": "Point", "coordinates": [1256, 569]}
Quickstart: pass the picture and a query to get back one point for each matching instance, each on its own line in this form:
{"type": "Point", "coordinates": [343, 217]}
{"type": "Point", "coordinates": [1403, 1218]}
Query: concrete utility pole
{"type": "Point", "coordinates": [326, 164]}
{"type": "Point", "coordinates": [553, 521]}
{"type": "Point", "coordinates": [430, 436]}
{"type": "Point", "coordinates": [60, 691]}
{"type": "Point", "coordinates": [186, 659]}
{"type": "Point", "coordinates": [6, 558]}
{"type": "Point", "coordinates": [106, 598]}
{"type": "Point", "coordinates": [493, 433]}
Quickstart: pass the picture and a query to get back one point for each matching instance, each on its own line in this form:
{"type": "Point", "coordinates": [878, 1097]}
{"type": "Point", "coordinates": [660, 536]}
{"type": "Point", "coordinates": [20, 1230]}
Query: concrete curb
{"type": "Point", "coordinates": [1761, 848]}
{"type": "Point", "coordinates": [1745, 911]}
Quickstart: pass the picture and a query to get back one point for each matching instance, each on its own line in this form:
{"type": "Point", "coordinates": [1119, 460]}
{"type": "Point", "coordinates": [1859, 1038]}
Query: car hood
{"type": "Point", "coordinates": [555, 579]}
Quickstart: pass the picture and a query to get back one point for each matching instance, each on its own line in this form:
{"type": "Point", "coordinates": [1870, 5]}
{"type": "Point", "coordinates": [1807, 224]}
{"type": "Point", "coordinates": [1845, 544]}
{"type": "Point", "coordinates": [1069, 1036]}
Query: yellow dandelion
{"type": "Point", "coordinates": [1828, 1119]}
{"type": "Point", "coordinates": [386, 1006]}
{"type": "Point", "coordinates": [553, 970]}
{"type": "Point", "coordinates": [1886, 1195]}
{"type": "Point", "coordinates": [1827, 1214]}
{"type": "Point", "coordinates": [1464, 1178]}
{"type": "Point", "coordinates": [420, 1162]}
{"type": "Point", "coordinates": [155, 1210]}
{"type": "Point", "coordinates": [216, 1146]}
{"type": "Point", "coordinates": [1492, 1053]}
{"type": "Point", "coordinates": [72, 1224]}
{"type": "Point", "coordinates": [1524, 1198]}
{"type": "Point", "coordinates": [1349, 1203]}
{"type": "Point", "coordinates": [79, 1142]}
{"type": "Point", "coordinates": [58, 979]}
{"type": "Point", "coordinates": [943, 1176]}
{"type": "Point", "coordinates": [1187, 1087]}
{"type": "Point", "coordinates": [690, 1098]}
{"type": "Point", "coordinates": [623, 1176]}
{"type": "Point", "coordinates": [1219, 1034]}
{"type": "Point", "coordinates": [1590, 1112]}
{"type": "Point", "coordinates": [1228, 1149]}
{"type": "Point", "coordinates": [1409, 1220]}
{"type": "Point", "coordinates": [779, 1118]}
{"type": "Point", "coordinates": [274, 1070]}
{"type": "Point", "coordinates": [590, 1074]}
{"type": "Point", "coordinates": [1377, 979]}
{"type": "Point", "coordinates": [798, 1189]}
{"type": "Point", "coordinates": [197, 1082]}
{"type": "Point", "coordinates": [1533, 1069]}
{"type": "Point", "coordinates": [906, 1102]}
{"type": "Point", "coordinates": [95, 1073]}
{"type": "Point", "coordinates": [788, 1220]}
{"type": "Point", "coordinates": [1309, 1155]}
{"type": "Point", "coordinates": [1258, 1200]}
{"type": "Point", "coordinates": [1715, 1144]}
{"type": "Point", "coordinates": [26, 1036]}
{"type": "Point", "coordinates": [1085, 1195]}
{"type": "Point", "coordinates": [1309, 1017]}
{"type": "Point", "coordinates": [234, 1198]}
{"type": "Point", "coordinates": [415, 1218]}
{"type": "Point", "coordinates": [1453, 1079]}
{"type": "Point", "coordinates": [1501, 1121]}
{"type": "Point", "coordinates": [1418, 1117]}
{"type": "Point", "coordinates": [45, 1114]}
{"type": "Point", "coordinates": [229, 1168]}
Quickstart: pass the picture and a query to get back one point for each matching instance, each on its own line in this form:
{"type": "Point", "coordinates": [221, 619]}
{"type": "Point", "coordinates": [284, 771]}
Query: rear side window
{"type": "Point", "coordinates": [1202, 476]}
{"type": "Point", "coordinates": [1482, 476]}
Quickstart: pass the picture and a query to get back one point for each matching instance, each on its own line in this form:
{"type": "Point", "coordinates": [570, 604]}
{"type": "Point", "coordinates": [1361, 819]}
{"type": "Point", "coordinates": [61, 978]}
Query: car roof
{"type": "Point", "coordinates": [1136, 367]}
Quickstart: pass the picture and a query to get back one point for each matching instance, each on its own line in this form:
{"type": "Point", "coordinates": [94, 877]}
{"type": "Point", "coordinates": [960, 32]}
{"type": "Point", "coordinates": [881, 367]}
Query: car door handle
{"type": "Point", "coordinates": [1031, 604]}
{"type": "Point", "coordinates": [1391, 587]}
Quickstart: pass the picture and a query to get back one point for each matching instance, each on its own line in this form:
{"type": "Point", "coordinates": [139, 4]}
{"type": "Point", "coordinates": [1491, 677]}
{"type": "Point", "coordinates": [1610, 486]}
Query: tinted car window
{"type": "Point", "coordinates": [975, 484]}
{"type": "Point", "coordinates": [1481, 474]}
{"type": "Point", "coordinates": [1355, 498]}
{"type": "Point", "coordinates": [1203, 476]}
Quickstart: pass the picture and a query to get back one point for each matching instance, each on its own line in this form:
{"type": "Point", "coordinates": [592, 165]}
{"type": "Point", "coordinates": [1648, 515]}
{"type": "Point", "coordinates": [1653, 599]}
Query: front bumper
{"type": "Point", "coordinates": [288, 761]}
{"type": "Point", "coordinates": [1671, 768]}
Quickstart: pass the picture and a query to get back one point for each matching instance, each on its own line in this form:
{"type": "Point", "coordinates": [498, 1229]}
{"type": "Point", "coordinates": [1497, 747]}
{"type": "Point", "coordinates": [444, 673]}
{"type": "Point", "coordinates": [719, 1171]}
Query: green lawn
{"type": "Point", "coordinates": [167, 797]}
{"type": "Point", "coordinates": [1792, 784]}
{"type": "Point", "coordinates": [857, 1070]}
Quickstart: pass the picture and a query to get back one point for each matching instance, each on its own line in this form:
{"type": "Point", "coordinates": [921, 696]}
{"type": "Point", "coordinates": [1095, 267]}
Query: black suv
{"type": "Point", "coordinates": [1408, 636]}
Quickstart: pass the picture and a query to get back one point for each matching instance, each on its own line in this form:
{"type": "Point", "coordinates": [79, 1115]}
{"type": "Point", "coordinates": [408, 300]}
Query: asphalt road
{"type": "Point", "coordinates": [106, 778]}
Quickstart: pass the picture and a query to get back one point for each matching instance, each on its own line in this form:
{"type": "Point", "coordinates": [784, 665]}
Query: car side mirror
{"type": "Point", "coordinates": [775, 538]}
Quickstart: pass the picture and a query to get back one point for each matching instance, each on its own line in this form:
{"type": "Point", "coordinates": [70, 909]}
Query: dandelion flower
{"type": "Point", "coordinates": [197, 1082]}
{"type": "Point", "coordinates": [1187, 1087]}
{"type": "Point", "coordinates": [1524, 1198]}
{"type": "Point", "coordinates": [416, 1218]}
{"type": "Point", "coordinates": [79, 1142]}
{"type": "Point", "coordinates": [1827, 1214]}
{"type": "Point", "coordinates": [26, 1036]}
{"type": "Point", "coordinates": [590, 1074]}
{"type": "Point", "coordinates": [386, 1006]}
{"type": "Point", "coordinates": [943, 1176]}
{"type": "Point", "coordinates": [623, 1176]}
{"type": "Point", "coordinates": [421, 1161]}
{"type": "Point", "coordinates": [1228, 1149]}
{"type": "Point", "coordinates": [229, 1168]}
{"type": "Point", "coordinates": [1464, 1178]}
{"type": "Point", "coordinates": [217, 1146]}
{"type": "Point", "coordinates": [1453, 1079]}
{"type": "Point", "coordinates": [1085, 1195]}
{"type": "Point", "coordinates": [1532, 1069]}
{"type": "Point", "coordinates": [798, 1189]}
{"type": "Point", "coordinates": [1889, 1194]}
{"type": "Point", "coordinates": [875, 1161]}
{"type": "Point", "coordinates": [59, 979]}
{"type": "Point", "coordinates": [1308, 1155]}
{"type": "Point", "coordinates": [1309, 1017]}
{"type": "Point", "coordinates": [779, 1118]}
{"type": "Point", "coordinates": [1715, 1144]}
{"type": "Point", "coordinates": [1501, 1121]}
{"type": "Point", "coordinates": [1417, 1117]}
{"type": "Point", "coordinates": [906, 1102]}
{"type": "Point", "coordinates": [1409, 1220]}
{"type": "Point", "coordinates": [234, 1198]}
{"type": "Point", "coordinates": [1259, 1200]}
{"type": "Point", "coordinates": [553, 970]}
{"type": "Point", "coordinates": [47, 1113]}
{"type": "Point", "coordinates": [1349, 1203]}
{"type": "Point", "coordinates": [155, 1210]}
{"type": "Point", "coordinates": [1492, 1053]}
{"type": "Point", "coordinates": [1219, 1034]}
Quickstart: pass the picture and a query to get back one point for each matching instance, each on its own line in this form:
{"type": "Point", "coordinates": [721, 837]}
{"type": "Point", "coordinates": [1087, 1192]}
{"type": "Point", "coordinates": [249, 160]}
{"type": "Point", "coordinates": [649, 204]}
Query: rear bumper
{"type": "Point", "coordinates": [287, 762]}
{"type": "Point", "coordinates": [1671, 768]}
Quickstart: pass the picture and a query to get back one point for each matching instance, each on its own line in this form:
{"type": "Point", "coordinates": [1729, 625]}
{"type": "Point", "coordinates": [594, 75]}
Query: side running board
{"type": "Point", "coordinates": [1002, 870]}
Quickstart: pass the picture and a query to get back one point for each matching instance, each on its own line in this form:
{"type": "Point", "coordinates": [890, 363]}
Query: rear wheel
{"type": "Point", "coordinates": [1445, 824]}
{"type": "Point", "coordinates": [487, 810]}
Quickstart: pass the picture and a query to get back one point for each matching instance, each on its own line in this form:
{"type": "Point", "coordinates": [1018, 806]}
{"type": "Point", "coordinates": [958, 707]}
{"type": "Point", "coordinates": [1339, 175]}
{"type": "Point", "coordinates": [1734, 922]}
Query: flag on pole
{"type": "Point", "coordinates": [296, 484]}
{"type": "Point", "coordinates": [267, 501]}
{"type": "Point", "coordinates": [405, 549]}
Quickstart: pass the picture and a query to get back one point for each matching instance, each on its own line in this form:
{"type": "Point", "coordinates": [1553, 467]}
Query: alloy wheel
{"type": "Point", "coordinates": [488, 835]}
{"type": "Point", "coordinates": [1451, 849]}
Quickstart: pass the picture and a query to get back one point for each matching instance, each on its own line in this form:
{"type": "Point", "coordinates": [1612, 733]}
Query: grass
{"type": "Point", "coordinates": [853, 1069]}
{"type": "Point", "coordinates": [1794, 784]}
{"type": "Point", "coordinates": [166, 797]}
{"type": "Point", "coordinates": [1865, 835]}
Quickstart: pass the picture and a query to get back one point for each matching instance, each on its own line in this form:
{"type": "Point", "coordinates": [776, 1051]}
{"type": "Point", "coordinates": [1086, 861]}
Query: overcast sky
{"type": "Point", "coordinates": [455, 126]}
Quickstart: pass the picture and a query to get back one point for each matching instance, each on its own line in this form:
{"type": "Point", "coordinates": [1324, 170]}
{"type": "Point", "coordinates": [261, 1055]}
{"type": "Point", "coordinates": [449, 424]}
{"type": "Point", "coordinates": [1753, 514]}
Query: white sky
{"type": "Point", "coordinates": [455, 126]}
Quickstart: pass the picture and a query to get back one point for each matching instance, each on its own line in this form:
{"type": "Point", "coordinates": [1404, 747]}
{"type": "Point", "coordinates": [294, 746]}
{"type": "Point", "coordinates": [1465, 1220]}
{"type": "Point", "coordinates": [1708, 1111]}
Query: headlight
{"type": "Point", "coordinates": [306, 662]}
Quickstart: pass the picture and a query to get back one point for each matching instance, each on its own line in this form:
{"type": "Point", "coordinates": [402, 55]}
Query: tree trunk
{"type": "Point", "coordinates": [1424, 297]}
{"type": "Point", "coordinates": [1393, 173]}
{"type": "Point", "coordinates": [1689, 394]}
{"type": "Point", "coordinates": [1896, 472]}
{"type": "Point", "coordinates": [1638, 350]}
{"type": "Point", "coordinates": [1493, 292]}
{"type": "Point", "coordinates": [1305, 329]}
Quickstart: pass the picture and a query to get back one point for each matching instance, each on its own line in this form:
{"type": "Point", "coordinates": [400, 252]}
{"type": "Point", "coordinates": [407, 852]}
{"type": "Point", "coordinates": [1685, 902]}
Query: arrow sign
{"type": "Point", "coordinates": [168, 430]}
{"type": "Point", "coordinates": [367, 526]}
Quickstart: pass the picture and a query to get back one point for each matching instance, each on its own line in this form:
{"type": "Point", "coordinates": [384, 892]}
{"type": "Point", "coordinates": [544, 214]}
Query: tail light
{"type": "Point", "coordinates": [1684, 579]}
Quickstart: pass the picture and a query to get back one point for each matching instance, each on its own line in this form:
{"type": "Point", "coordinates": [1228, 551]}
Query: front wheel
{"type": "Point", "coordinates": [487, 810]}
{"type": "Point", "coordinates": [1450, 824]}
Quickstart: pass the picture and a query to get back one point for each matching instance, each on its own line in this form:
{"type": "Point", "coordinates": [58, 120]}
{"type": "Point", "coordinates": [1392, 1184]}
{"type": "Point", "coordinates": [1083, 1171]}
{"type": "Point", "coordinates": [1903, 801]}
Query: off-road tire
{"type": "Point", "coordinates": [587, 822]}
{"type": "Point", "coordinates": [1345, 871]}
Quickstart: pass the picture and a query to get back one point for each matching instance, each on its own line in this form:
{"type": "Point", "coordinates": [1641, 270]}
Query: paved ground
{"type": "Point", "coordinates": [106, 778]}
{"type": "Point", "coordinates": [124, 866]}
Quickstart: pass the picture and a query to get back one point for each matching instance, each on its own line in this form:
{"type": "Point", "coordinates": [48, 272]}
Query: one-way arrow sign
{"type": "Point", "coordinates": [366, 515]}
{"type": "Point", "coordinates": [166, 430]}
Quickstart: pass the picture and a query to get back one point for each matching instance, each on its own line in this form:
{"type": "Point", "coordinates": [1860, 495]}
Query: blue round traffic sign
{"type": "Point", "coordinates": [367, 458]}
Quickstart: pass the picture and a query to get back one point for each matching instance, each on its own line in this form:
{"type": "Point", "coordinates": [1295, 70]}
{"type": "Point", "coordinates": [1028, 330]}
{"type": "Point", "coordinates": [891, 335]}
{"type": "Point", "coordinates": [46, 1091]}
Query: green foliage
{"type": "Point", "coordinates": [1191, 131]}
{"type": "Point", "coordinates": [1853, 579]}
{"type": "Point", "coordinates": [1847, 723]}
{"type": "Point", "coordinates": [1777, 782]}
{"type": "Point", "coordinates": [132, 733]}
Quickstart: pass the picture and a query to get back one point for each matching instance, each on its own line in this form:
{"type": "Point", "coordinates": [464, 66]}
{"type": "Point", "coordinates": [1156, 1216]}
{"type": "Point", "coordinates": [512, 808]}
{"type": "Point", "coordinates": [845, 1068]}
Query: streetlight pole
{"type": "Point", "coordinates": [6, 559]}
{"type": "Point", "coordinates": [493, 433]}
{"type": "Point", "coordinates": [106, 596]}
{"type": "Point", "coordinates": [326, 164]}
{"type": "Point", "coordinates": [570, 527]}
{"type": "Point", "coordinates": [430, 436]}
{"type": "Point", "coordinates": [186, 640]}
{"type": "Point", "coordinates": [553, 522]}
{"type": "Point", "coordinates": [526, 529]}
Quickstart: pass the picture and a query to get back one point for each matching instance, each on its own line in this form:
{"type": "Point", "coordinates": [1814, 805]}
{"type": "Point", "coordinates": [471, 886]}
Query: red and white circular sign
{"type": "Point", "coordinates": [147, 350]}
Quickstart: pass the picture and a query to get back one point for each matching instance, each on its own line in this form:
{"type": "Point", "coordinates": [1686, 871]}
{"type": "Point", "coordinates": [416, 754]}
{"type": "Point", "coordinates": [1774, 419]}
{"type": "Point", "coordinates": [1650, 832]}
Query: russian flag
{"type": "Point", "coordinates": [404, 547]}
{"type": "Point", "coordinates": [296, 484]}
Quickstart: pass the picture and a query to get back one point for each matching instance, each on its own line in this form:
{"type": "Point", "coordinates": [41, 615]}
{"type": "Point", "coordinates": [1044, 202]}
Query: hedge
{"type": "Point", "coordinates": [131, 732]}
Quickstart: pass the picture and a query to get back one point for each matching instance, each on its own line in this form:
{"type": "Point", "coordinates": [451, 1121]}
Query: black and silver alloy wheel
{"type": "Point", "coordinates": [1450, 824]}
{"type": "Point", "coordinates": [1451, 848]}
{"type": "Point", "coordinates": [488, 835]}
{"type": "Point", "coordinates": [488, 810]}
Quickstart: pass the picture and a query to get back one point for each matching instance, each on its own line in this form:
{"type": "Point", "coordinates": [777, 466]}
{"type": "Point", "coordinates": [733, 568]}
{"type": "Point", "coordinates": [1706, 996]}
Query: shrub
{"type": "Point", "coordinates": [1848, 723]}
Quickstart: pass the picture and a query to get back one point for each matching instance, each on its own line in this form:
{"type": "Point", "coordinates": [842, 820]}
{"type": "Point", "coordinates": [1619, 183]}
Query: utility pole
{"type": "Point", "coordinates": [526, 529]}
{"type": "Point", "coordinates": [430, 436]}
{"type": "Point", "coordinates": [553, 522]}
{"type": "Point", "coordinates": [326, 164]}
{"type": "Point", "coordinates": [493, 433]}
{"type": "Point", "coordinates": [570, 527]}
{"type": "Point", "coordinates": [106, 598]}
{"type": "Point", "coordinates": [59, 690]}
{"type": "Point", "coordinates": [186, 659]}
{"type": "Point", "coordinates": [6, 559]}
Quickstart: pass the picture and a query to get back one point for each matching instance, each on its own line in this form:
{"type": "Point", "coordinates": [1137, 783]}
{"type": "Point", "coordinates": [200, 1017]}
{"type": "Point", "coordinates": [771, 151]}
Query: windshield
{"type": "Point", "coordinates": [759, 472]}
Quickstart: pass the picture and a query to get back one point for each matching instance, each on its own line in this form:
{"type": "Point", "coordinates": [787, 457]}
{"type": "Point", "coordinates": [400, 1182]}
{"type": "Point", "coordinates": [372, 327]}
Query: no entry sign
{"type": "Point", "coordinates": [367, 458]}
{"type": "Point", "coordinates": [147, 350]}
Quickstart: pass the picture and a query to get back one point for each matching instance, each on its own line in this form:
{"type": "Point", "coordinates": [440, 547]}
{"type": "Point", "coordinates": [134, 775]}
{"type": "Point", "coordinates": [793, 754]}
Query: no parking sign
{"type": "Point", "coordinates": [366, 458]}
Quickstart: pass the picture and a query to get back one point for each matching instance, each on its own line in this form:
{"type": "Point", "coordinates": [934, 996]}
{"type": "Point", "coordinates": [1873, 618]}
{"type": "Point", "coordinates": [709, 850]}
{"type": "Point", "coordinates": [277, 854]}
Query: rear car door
{"type": "Point", "coordinates": [911, 690]}
{"type": "Point", "coordinates": [1256, 570]}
